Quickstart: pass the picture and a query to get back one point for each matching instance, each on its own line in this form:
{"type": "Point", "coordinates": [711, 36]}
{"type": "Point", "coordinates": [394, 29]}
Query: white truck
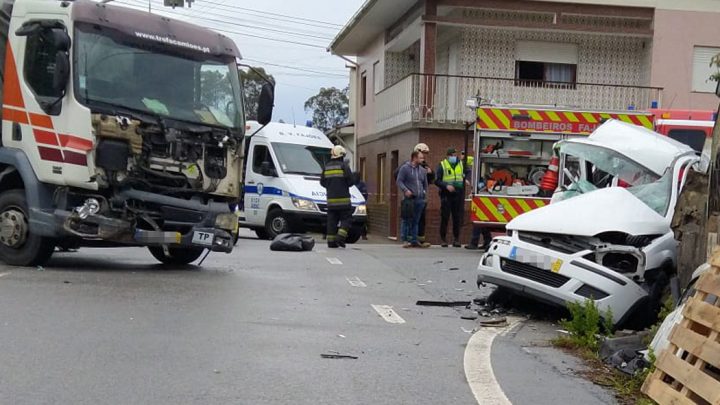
{"type": "Point", "coordinates": [119, 128]}
{"type": "Point", "coordinates": [282, 191]}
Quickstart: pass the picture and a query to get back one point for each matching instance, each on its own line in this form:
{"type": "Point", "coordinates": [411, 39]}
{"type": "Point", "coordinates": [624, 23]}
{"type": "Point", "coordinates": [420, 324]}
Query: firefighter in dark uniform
{"type": "Point", "coordinates": [337, 179]}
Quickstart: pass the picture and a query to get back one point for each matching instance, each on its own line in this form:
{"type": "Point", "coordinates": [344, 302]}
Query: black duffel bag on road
{"type": "Point", "coordinates": [292, 242]}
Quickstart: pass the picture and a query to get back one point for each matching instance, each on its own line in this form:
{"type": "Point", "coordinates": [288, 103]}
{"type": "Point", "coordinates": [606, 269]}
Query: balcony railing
{"type": "Point", "coordinates": [420, 98]}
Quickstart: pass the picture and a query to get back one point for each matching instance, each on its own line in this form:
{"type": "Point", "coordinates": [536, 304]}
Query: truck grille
{"type": "Point", "coordinates": [533, 273]}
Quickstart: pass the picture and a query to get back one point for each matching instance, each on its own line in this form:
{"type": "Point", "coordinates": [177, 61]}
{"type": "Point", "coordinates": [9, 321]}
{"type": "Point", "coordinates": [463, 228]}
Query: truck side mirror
{"type": "Point", "coordinates": [61, 76]}
{"type": "Point", "coordinates": [266, 102]}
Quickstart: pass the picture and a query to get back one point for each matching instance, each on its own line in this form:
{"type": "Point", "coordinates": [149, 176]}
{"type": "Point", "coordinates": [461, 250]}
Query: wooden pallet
{"type": "Point", "coordinates": [688, 371]}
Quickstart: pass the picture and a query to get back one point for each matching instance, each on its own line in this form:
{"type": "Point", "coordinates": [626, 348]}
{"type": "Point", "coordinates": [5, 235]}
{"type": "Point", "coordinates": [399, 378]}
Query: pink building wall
{"type": "Point", "coordinates": [365, 124]}
{"type": "Point", "coordinates": [676, 34]}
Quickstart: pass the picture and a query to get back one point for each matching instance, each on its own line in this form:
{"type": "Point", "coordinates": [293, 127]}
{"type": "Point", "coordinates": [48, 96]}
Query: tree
{"type": "Point", "coordinates": [715, 61]}
{"type": "Point", "coordinates": [214, 89]}
{"type": "Point", "coordinates": [252, 83]}
{"type": "Point", "coordinates": [330, 107]}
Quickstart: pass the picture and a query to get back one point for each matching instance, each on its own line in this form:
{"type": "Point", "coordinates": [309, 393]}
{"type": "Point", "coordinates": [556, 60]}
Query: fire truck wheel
{"type": "Point", "coordinates": [177, 257]}
{"type": "Point", "coordinates": [18, 246]}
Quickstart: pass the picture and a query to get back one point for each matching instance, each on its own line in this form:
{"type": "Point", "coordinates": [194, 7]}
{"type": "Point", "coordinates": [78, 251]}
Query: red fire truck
{"type": "Point", "coordinates": [513, 148]}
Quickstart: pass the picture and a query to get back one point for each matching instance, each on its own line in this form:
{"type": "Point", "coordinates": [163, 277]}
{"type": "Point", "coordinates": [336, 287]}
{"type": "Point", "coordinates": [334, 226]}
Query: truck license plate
{"type": "Point", "coordinates": [202, 238]}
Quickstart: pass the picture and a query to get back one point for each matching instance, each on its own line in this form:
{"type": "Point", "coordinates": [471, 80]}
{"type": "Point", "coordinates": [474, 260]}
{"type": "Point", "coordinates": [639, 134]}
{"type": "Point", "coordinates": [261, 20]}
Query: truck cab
{"type": "Point", "coordinates": [282, 191]}
{"type": "Point", "coordinates": [119, 128]}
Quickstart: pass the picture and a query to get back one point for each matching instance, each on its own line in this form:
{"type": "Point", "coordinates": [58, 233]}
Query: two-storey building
{"type": "Point", "coordinates": [418, 61]}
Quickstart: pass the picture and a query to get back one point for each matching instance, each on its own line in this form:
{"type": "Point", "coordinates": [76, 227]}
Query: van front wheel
{"type": "Point", "coordinates": [276, 223]}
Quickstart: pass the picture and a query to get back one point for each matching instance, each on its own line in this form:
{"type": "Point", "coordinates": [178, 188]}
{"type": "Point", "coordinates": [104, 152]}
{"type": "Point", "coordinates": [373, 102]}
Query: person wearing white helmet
{"type": "Point", "coordinates": [337, 179]}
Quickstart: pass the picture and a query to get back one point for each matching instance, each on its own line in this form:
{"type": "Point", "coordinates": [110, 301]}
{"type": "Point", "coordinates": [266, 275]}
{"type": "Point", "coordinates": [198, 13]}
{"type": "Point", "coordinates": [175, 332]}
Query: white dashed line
{"type": "Point", "coordinates": [355, 282]}
{"type": "Point", "coordinates": [478, 366]}
{"type": "Point", "coordinates": [334, 260]}
{"type": "Point", "coordinates": [3, 274]}
{"type": "Point", "coordinates": [388, 314]}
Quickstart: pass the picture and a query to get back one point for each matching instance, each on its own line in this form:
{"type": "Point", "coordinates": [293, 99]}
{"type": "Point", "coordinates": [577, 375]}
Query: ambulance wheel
{"type": "Point", "coordinates": [18, 246]}
{"type": "Point", "coordinates": [276, 223]}
{"type": "Point", "coordinates": [262, 233]}
{"type": "Point", "coordinates": [177, 257]}
{"type": "Point", "coordinates": [354, 234]}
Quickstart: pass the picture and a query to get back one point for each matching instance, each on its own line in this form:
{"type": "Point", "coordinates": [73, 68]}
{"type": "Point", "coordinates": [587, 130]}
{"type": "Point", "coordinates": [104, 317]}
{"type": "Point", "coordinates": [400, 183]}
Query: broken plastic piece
{"type": "Point", "coordinates": [443, 303]}
{"type": "Point", "coordinates": [338, 356]}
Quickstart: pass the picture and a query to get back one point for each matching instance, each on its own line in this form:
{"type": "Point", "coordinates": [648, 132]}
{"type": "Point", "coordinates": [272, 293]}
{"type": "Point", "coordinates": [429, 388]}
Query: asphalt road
{"type": "Point", "coordinates": [109, 326]}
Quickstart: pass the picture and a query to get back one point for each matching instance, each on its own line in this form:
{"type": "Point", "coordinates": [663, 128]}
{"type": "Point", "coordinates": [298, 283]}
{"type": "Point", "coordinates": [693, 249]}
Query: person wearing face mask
{"type": "Point", "coordinates": [450, 180]}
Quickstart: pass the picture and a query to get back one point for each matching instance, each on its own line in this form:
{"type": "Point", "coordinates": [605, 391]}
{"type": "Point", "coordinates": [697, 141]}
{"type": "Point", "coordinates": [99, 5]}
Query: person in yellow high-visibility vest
{"type": "Point", "coordinates": [450, 179]}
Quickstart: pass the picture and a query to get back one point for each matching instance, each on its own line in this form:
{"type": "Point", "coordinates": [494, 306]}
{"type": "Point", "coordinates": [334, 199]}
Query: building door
{"type": "Point", "coordinates": [394, 203]}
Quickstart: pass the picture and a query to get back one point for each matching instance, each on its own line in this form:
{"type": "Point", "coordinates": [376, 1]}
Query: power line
{"type": "Point", "coordinates": [296, 68]}
{"type": "Point", "coordinates": [277, 15]}
{"type": "Point", "coordinates": [251, 35]}
{"type": "Point", "coordinates": [241, 25]}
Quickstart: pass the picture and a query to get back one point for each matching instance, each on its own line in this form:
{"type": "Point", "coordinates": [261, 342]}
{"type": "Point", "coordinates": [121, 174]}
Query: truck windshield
{"type": "Point", "coordinates": [113, 68]}
{"type": "Point", "coordinates": [301, 159]}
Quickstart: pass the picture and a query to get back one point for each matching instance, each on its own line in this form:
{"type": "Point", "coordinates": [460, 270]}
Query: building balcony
{"type": "Point", "coordinates": [422, 100]}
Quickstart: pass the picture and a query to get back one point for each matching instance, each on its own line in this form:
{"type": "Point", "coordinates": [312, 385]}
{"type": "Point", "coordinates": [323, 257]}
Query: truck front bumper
{"type": "Point", "coordinates": [557, 278]}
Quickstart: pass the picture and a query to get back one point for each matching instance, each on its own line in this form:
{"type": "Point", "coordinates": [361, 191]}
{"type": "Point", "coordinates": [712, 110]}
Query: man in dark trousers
{"type": "Point", "coordinates": [450, 180]}
{"type": "Point", "coordinates": [337, 178]}
{"type": "Point", "coordinates": [424, 150]}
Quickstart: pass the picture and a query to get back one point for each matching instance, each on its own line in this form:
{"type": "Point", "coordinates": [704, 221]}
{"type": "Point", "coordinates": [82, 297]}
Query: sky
{"type": "Point", "coordinates": [266, 40]}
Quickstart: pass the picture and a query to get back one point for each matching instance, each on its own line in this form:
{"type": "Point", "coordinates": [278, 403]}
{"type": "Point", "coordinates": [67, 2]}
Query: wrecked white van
{"type": "Point", "coordinates": [607, 235]}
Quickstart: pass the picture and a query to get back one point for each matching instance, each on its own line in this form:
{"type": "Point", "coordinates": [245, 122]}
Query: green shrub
{"type": "Point", "coordinates": [585, 322]}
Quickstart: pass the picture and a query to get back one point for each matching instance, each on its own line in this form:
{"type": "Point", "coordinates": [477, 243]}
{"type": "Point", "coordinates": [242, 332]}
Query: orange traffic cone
{"type": "Point", "coordinates": [550, 179]}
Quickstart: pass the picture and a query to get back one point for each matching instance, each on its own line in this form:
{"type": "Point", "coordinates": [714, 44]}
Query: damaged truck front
{"type": "Point", "coordinates": [606, 236]}
{"type": "Point", "coordinates": [120, 128]}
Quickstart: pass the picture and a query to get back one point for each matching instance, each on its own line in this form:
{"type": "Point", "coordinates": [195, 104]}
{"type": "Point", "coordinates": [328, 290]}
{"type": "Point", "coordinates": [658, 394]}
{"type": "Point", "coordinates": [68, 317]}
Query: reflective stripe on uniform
{"type": "Point", "coordinates": [338, 200]}
{"type": "Point", "coordinates": [342, 232]}
{"type": "Point", "coordinates": [334, 173]}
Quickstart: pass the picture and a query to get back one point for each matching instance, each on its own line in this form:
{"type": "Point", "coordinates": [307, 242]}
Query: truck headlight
{"type": "Point", "coordinates": [303, 204]}
{"type": "Point", "coordinates": [227, 221]}
{"type": "Point", "coordinates": [361, 210]}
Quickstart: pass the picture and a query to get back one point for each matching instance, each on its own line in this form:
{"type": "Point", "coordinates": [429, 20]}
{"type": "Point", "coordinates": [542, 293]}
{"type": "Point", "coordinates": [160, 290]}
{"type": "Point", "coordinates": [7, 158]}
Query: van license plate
{"type": "Point", "coordinates": [202, 238]}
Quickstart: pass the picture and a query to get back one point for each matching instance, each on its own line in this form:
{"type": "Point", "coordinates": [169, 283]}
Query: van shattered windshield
{"type": "Point", "coordinates": [115, 69]}
{"type": "Point", "coordinates": [590, 167]}
{"type": "Point", "coordinates": [301, 159]}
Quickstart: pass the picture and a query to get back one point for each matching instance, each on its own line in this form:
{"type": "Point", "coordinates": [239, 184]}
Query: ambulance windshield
{"type": "Point", "coordinates": [301, 159]}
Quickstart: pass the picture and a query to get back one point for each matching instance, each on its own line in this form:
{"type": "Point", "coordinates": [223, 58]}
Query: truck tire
{"type": "Point", "coordinates": [262, 233]}
{"type": "Point", "coordinates": [276, 223]}
{"type": "Point", "coordinates": [18, 246]}
{"type": "Point", "coordinates": [354, 234]}
{"type": "Point", "coordinates": [178, 256]}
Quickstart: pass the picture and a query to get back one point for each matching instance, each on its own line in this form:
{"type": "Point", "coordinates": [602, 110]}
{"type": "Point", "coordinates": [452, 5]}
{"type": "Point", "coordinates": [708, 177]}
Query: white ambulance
{"type": "Point", "coordinates": [282, 191]}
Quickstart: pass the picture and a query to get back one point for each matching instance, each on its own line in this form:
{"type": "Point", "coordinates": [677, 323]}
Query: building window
{"type": "Point", "coordinates": [363, 89]}
{"type": "Point", "coordinates": [381, 178]}
{"type": "Point", "coordinates": [702, 71]}
{"type": "Point", "coordinates": [377, 78]}
{"type": "Point", "coordinates": [363, 176]}
{"type": "Point", "coordinates": [546, 64]}
{"type": "Point", "coordinates": [545, 74]}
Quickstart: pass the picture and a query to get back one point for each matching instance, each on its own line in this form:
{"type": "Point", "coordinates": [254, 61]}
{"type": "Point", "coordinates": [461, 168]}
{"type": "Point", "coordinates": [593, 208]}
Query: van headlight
{"type": "Point", "coordinates": [361, 210]}
{"type": "Point", "coordinates": [303, 204]}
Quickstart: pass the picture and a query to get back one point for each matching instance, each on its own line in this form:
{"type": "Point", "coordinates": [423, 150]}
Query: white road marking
{"type": "Point", "coordinates": [355, 282]}
{"type": "Point", "coordinates": [388, 314]}
{"type": "Point", "coordinates": [478, 366]}
{"type": "Point", "coordinates": [3, 274]}
{"type": "Point", "coordinates": [333, 260]}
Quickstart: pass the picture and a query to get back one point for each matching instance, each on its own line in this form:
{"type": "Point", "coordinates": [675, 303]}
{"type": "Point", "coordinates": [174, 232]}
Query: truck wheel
{"type": "Point", "coordinates": [354, 234]}
{"type": "Point", "coordinates": [262, 233]}
{"type": "Point", "coordinates": [19, 247]}
{"type": "Point", "coordinates": [276, 223]}
{"type": "Point", "coordinates": [178, 256]}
